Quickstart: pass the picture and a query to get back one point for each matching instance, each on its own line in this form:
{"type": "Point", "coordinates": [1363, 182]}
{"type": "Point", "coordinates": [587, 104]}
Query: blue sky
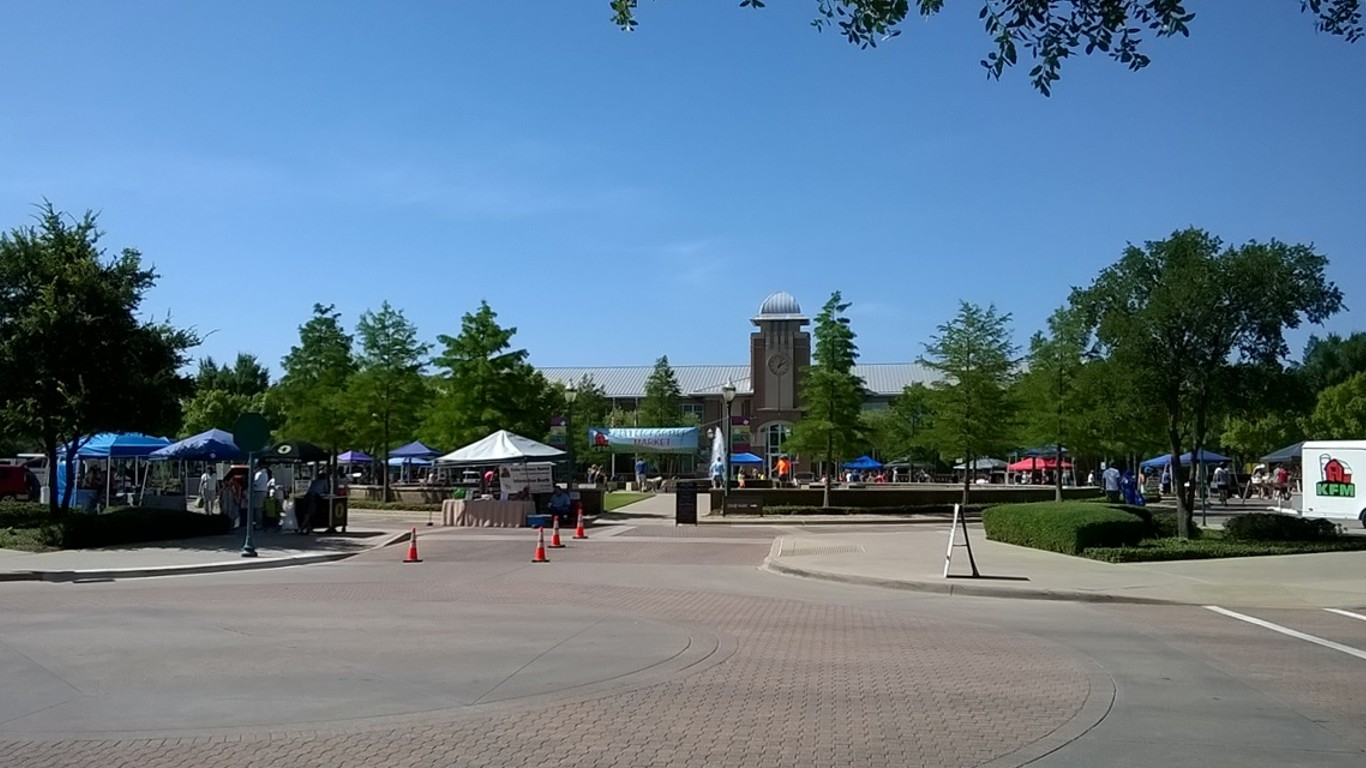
{"type": "Point", "coordinates": [617, 197]}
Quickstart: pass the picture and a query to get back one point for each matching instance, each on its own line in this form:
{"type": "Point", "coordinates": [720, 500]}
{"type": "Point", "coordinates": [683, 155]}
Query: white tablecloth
{"type": "Point", "coordinates": [486, 514]}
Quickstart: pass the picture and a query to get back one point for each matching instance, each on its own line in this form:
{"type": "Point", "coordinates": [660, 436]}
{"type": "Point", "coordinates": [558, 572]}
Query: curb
{"type": "Point", "coordinates": [954, 589]}
{"type": "Point", "coordinates": [245, 564]}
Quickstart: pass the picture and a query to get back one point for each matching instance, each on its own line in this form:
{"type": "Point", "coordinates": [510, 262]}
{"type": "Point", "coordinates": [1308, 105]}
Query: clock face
{"type": "Point", "coordinates": [779, 364]}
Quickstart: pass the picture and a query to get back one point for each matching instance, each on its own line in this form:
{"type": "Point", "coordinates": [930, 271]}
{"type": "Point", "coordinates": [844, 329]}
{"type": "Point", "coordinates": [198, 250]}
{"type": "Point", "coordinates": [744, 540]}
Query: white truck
{"type": "Point", "coordinates": [1328, 469]}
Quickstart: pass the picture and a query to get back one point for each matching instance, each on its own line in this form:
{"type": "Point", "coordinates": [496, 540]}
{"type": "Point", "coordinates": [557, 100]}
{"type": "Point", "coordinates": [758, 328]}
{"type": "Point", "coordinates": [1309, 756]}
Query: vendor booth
{"type": "Point", "coordinates": [324, 502]}
{"type": "Point", "coordinates": [523, 473]}
{"type": "Point", "coordinates": [111, 471]}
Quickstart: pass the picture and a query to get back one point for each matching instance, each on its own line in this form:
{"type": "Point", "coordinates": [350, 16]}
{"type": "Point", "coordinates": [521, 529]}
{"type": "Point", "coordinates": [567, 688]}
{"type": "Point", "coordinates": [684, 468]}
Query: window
{"type": "Point", "coordinates": [775, 442]}
{"type": "Point", "coordinates": [695, 410]}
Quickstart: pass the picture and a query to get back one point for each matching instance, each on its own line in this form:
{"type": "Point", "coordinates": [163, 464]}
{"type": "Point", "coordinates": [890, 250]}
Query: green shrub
{"type": "Point", "coordinates": [1175, 549]}
{"type": "Point", "coordinates": [133, 525]}
{"type": "Point", "coordinates": [396, 506]}
{"type": "Point", "coordinates": [1273, 527]}
{"type": "Point", "coordinates": [921, 509]}
{"type": "Point", "coordinates": [23, 514]}
{"type": "Point", "coordinates": [1065, 527]}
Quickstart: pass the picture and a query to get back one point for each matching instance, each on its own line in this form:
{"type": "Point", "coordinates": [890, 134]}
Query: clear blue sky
{"type": "Point", "coordinates": [617, 197]}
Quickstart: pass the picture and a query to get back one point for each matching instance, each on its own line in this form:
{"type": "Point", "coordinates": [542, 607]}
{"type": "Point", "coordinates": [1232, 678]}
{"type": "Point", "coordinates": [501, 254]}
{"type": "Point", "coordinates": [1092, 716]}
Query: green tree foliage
{"type": "Point", "coordinates": [387, 392]}
{"type": "Point", "coordinates": [485, 385]}
{"type": "Point", "coordinates": [1048, 32]}
{"type": "Point", "coordinates": [831, 395]}
{"type": "Point", "coordinates": [1254, 436]}
{"type": "Point", "coordinates": [663, 402]}
{"type": "Point", "coordinates": [1176, 315]}
{"type": "Point", "coordinates": [903, 430]}
{"type": "Point", "coordinates": [591, 409]}
{"type": "Point", "coordinates": [75, 358]}
{"type": "Point", "coordinates": [976, 361]}
{"type": "Point", "coordinates": [1332, 360]}
{"type": "Point", "coordinates": [224, 392]}
{"type": "Point", "coordinates": [1050, 393]}
{"type": "Point", "coordinates": [312, 393]}
{"type": "Point", "coordinates": [1341, 411]}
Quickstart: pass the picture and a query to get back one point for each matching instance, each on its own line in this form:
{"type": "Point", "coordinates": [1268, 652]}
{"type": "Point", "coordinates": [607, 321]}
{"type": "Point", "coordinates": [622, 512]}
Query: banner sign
{"type": "Point", "coordinates": [537, 477]}
{"type": "Point", "coordinates": [739, 434]}
{"type": "Point", "coordinates": [644, 440]}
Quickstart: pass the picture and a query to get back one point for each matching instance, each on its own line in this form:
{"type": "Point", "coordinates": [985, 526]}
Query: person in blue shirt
{"type": "Point", "coordinates": [1110, 481]}
{"type": "Point", "coordinates": [640, 474]}
{"type": "Point", "coordinates": [559, 502]}
{"type": "Point", "coordinates": [718, 473]}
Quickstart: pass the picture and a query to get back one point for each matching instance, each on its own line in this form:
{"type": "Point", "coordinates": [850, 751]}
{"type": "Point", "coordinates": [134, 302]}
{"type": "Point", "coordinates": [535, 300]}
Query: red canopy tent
{"type": "Point", "coordinates": [1038, 463]}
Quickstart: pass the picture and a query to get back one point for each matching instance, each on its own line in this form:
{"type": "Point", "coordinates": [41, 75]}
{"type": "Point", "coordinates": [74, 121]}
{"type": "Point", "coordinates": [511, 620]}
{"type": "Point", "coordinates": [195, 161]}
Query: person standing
{"type": "Point", "coordinates": [1110, 478]}
{"type": "Point", "coordinates": [784, 468]}
{"type": "Point", "coordinates": [718, 473]}
{"type": "Point", "coordinates": [260, 488]}
{"type": "Point", "coordinates": [1221, 483]}
{"type": "Point", "coordinates": [208, 490]}
{"type": "Point", "coordinates": [640, 473]}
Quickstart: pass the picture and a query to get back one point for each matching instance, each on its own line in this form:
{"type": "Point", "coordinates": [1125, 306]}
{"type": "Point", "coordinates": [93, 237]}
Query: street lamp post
{"type": "Point", "coordinates": [728, 396]}
{"type": "Point", "coordinates": [570, 393]}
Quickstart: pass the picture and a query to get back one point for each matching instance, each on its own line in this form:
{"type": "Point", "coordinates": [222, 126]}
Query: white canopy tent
{"type": "Point", "coordinates": [499, 448]}
{"type": "Point", "coordinates": [984, 463]}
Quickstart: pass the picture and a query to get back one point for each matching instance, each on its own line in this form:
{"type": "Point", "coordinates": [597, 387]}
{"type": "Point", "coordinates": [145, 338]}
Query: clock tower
{"type": "Point", "coordinates": [779, 352]}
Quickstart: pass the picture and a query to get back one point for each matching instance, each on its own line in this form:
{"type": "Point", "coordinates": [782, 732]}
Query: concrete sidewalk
{"type": "Point", "coordinates": [913, 559]}
{"type": "Point", "coordinates": [209, 554]}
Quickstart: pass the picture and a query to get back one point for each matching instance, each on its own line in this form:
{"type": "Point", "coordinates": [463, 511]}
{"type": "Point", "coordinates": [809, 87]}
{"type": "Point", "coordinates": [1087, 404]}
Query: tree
{"type": "Point", "coordinates": [903, 430]}
{"type": "Point", "coordinates": [486, 385]}
{"type": "Point", "coordinates": [1332, 360]}
{"type": "Point", "coordinates": [223, 393]}
{"type": "Point", "coordinates": [831, 395]}
{"type": "Point", "coordinates": [1341, 411]}
{"type": "Point", "coordinates": [591, 409]}
{"type": "Point", "coordinates": [976, 362]}
{"type": "Point", "coordinates": [75, 359]}
{"type": "Point", "coordinates": [663, 402]}
{"type": "Point", "coordinates": [1175, 314]}
{"type": "Point", "coordinates": [1048, 31]}
{"type": "Point", "coordinates": [312, 393]}
{"type": "Point", "coordinates": [1254, 436]}
{"type": "Point", "coordinates": [387, 392]}
{"type": "Point", "coordinates": [1050, 391]}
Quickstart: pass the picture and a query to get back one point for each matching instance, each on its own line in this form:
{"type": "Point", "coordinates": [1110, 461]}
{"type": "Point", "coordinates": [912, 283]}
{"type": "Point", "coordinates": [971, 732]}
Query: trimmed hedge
{"type": "Point", "coordinates": [920, 509]}
{"type": "Point", "coordinates": [1271, 527]}
{"type": "Point", "coordinates": [1159, 524]}
{"type": "Point", "coordinates": [1065, 527]}
{"type": "Point", "coordinates": [1175, 549]}
{"type": "Point", "coordinates": [134, 525]}
{"type": "Point", "coordinates": [29, 527]}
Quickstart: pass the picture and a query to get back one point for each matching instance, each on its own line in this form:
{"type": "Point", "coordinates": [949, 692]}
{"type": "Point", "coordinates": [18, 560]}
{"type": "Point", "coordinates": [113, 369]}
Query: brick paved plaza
{"type": "Point", "coordinates": [655, 646]}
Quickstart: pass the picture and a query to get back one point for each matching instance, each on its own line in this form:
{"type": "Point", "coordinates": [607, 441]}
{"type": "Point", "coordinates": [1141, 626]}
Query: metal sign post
{"type": "Point", "coordinates": [959, 521]}
{"type": "Point", "coordinates": [252, 434]}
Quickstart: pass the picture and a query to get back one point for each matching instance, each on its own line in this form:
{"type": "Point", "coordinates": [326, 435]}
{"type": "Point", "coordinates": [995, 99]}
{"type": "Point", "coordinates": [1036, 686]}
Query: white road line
{"type": "Point", "coordinates": [1348, 614]}
{"type": "Point", "coordinates": [1347, 649]}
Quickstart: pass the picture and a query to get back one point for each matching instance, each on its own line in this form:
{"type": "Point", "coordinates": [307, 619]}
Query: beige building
{"type": "Point", "coordinates": [767, 388]}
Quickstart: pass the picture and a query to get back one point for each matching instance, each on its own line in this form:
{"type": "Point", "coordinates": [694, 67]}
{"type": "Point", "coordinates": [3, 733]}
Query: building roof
{"type": "Point", "coordinates": [628, 381]}
{"type": "Point", "coordinates": [780, 306]}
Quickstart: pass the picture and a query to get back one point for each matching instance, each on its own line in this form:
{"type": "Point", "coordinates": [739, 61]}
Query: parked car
{"type": "Point", "coordinates": [17, 483]}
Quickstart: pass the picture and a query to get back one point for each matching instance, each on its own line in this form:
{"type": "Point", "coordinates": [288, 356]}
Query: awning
{"type": "Point", "coordinates": [499, 448]}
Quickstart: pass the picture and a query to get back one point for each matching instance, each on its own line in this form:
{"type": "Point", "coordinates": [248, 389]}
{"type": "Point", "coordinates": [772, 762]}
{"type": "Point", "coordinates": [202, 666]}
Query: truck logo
{"type": "Point", "coordinates": [1337, 478]}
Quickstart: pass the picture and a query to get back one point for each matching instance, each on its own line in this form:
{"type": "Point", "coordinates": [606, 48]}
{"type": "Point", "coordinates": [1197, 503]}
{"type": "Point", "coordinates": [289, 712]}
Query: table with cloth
{"type": "Point", "coordinates": [480, 513]}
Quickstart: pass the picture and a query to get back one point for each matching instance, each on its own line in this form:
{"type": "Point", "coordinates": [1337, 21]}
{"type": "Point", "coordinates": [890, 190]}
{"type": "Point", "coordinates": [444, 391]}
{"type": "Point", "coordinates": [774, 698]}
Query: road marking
{"type": "Point", "coordinates": [1348, 614]}
{"type": "Point", "coordinates": [1347, 649]}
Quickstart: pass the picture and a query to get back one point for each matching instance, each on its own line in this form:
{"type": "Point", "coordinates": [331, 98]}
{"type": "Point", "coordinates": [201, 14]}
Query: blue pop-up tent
{"type": "Point", "coordinates": [864, 463]}
{"type": "Point", "coordinates": [1285, 455]}
{"type": "Point", "coordinates": [1206, 457]}
{"type": "Point", "coordinates": [745, 458]}
{"type": "Point", "coordinates": [108, 446]}
{"type": "Point", "coordinates": [354, 457]}
{"type": "Point", "coordinates": [414, 450]}
{"type": "Point", "coordinates": [213, 445]}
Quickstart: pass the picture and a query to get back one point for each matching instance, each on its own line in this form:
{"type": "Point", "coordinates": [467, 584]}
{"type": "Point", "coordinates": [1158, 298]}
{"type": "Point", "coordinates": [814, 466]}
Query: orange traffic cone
{"type": "Point", "coordinates": [555, 534]}
{"type": "Point", "coordinates": [412, 549]}
{"type": "Point", "coordinates": [540, 557]}
{"type": "Point", "coordinates": [578, 530]}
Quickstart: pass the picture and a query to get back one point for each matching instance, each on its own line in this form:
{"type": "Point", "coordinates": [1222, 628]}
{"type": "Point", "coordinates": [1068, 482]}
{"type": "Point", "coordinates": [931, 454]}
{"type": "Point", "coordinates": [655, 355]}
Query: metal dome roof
{"type": "Point", "coordinates": [780, 306]}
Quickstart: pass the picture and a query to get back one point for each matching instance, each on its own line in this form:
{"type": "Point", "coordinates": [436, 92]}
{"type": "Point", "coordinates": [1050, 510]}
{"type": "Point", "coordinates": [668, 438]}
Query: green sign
{"type": "Point", "coordinates": [251, 432]}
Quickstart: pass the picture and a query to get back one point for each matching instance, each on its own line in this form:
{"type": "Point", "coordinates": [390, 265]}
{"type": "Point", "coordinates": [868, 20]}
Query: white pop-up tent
{"type": "Point", "coordinates": [499, 448]}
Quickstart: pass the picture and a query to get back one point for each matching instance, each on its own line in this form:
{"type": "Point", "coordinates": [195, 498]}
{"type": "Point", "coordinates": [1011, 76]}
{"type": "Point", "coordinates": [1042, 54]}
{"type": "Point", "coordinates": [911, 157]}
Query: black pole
{"type": "Point", "coordinates": [725, 485]}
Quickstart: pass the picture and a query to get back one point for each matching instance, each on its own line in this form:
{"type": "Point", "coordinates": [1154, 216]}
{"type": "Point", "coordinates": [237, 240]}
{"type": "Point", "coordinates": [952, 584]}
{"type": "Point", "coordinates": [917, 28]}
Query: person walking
{"type": "Point", "coordinates": [718, 473]}
{"type": "Point", "coordinates": [1110, 478]}
{"type": "Point", "coordinates": [260, 489]}
{"type": "Point", "coordinates": [1221, 483]}
{"type": "Point", "coordinates": [208, 491]}
{"type": "Point", "coordinates": [640, 473]}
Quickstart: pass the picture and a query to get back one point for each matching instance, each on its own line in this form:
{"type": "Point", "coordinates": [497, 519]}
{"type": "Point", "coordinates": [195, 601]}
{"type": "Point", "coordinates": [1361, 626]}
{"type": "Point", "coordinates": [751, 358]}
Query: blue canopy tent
{"type": "Point", "coordinates": [355, 457]}
{"type": "Point", "coordinates": [401, 462]}
{"type": "Point", "coordinates": [1206, 457]}
{"type": "Point", "coordinates": [414, 450]}
{"type": "Point", "coordinates": [1285, 455]}
{"type": "Point", "coordinates": [745, 458]}
{"type": "Point", "coordinates": [109, 446]}
{"type": "Point", "coordinates": [213, 445]}
{"type": "Point", "coordinates": [863, 463]}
